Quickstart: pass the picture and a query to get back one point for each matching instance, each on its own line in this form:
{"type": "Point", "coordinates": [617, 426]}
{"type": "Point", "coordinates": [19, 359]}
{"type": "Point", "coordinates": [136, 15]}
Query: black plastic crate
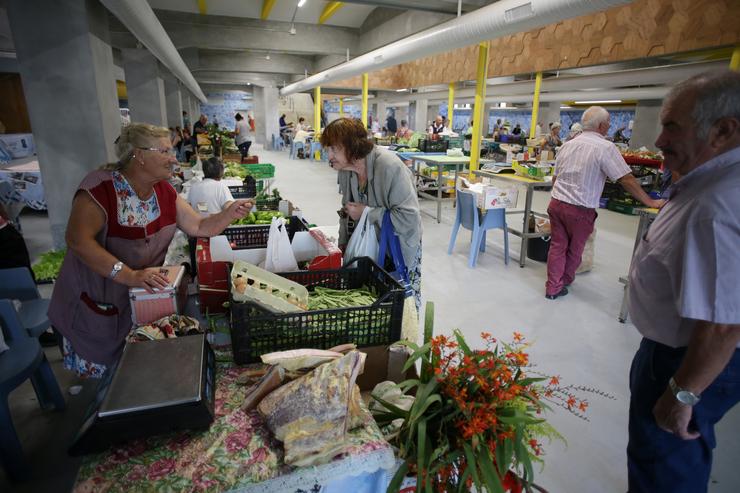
{"type": "Point", "coordinates": [243, 191]}
{"type": "Point", "coordinates": [255, 331]}
{"type": "Point", "coordinates": [268, 204]}
{"type": "Point", "coordinates": [427, 145]}
{"type": "Point", "coordinates": [255, 235]}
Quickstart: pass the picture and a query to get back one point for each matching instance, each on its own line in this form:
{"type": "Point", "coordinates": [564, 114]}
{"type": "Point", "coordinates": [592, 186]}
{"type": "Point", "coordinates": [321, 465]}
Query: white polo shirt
{"type": "Point", "coordinates": [687, 266]}
{"type": "Point", "coordinates": [582, 167]}
{"type": "Point", "coordinates": [209, 196]}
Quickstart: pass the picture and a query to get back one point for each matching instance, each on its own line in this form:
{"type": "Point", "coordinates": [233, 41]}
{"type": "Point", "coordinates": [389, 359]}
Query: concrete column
{"type": "Point", "coordinates": [647, 125]}
{"type": "Point", "coordinates": [420, 115]}
{"type": "Point", "coordinates": [549, 112]}
{"type": "Point", "coordinates": [381, 113]}
{"type": "Point", "coordinates": [266, 114]}
{"type": "Point", "coordinates": [411, 115]}
{"type": "Point", "coordinates": [66, 66]}
{"type": "Point", "coordinates": [174, 102]}
{"type": "Point", "coordinates": [146, 96]}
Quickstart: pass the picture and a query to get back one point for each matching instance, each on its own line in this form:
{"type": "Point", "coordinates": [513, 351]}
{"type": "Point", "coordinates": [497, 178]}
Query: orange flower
{"type": "Point", "coordinates": [486, 335]}
{"type": "Point", "coordinates": [582, 406]}
{"type": "Point", "coordinates": [554, 381]}
{"type": "Point", "coordinates": [518, 337]}
{"type": "Point", "coordinates": [571, 402]}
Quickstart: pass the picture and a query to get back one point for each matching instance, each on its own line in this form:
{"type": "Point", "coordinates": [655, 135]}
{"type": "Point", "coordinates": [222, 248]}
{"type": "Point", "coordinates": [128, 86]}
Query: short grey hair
{"type": "Point", "coordinates": [717, 95]}
{"type": "Point", "coordinates": [593, 117]}
{"type": "Point", "coordinates": [213, 168]}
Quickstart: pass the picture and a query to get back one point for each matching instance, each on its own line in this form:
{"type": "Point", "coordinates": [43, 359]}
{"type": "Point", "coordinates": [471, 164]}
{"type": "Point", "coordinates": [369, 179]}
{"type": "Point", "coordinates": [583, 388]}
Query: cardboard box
{"type": "Point", "coordinates": [490, 196]}
{"type": "Point", "coordinates": [147, 307]}
{"type": "Point", "coordinates": [384, 363]}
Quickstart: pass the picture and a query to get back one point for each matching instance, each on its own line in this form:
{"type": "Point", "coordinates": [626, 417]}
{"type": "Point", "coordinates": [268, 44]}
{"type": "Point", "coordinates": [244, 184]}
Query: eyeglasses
{"type": "Point", "coordinates": [166, 152]}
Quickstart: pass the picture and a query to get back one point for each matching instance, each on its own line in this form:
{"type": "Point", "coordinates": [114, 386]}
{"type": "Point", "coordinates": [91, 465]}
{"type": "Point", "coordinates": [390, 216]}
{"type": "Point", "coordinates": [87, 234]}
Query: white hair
{"type": "Point", "coordinates": [593, 118]}
{"type": "Point", "coordinates": [717, 96]}
{"type": "Point", "coordinates": [132, 136]}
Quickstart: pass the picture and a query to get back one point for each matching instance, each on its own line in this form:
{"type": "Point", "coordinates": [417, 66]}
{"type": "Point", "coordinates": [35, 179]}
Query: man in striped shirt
{"type": "Point", "coordinates": [582, 167]}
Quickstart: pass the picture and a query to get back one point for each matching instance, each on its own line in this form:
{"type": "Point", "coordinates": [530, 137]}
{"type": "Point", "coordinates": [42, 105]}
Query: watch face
{"type": "Point", "coordinates": [686, 398]}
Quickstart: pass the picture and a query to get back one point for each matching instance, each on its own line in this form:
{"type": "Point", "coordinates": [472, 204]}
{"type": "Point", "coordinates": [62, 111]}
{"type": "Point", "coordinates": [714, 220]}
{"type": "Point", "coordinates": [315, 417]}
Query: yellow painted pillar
{"type": "Point", "coordinates": [735, 60]}
{"type": "Point", "coordinates": [317, 110]}
{"type": "Point", "coordinates": [341, 107]}
{"type": "Point", "coordinates": [364, 99]}
{"type": "Point", "coordinates": [450, 103]}
{"type": "Point", "coordinates": [480, 103]}
{"type": "Point", "coordinates": [535, 106]}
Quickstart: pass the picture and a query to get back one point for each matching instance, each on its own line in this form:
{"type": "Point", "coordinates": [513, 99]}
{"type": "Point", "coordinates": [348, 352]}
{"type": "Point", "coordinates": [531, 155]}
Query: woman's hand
{"type": "Point", "coordinates": [150, 279]}
{"type": "Point", "coordinates": [354, 209]}
{"type": "Point", "coordinates": [239, 208]}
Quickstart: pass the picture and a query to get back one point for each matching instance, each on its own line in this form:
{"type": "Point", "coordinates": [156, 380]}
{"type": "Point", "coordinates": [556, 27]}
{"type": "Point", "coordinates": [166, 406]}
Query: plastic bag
{"type": "Point", "coordinates": [364, 241]}
{"type": "Point", "coordinates": [279, 255]}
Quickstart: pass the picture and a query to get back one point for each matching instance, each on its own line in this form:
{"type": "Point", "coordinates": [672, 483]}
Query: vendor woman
{"type": "Point", "coordinates": [123, 218]}
{"type": "Point", "coordinates": [370, 176]}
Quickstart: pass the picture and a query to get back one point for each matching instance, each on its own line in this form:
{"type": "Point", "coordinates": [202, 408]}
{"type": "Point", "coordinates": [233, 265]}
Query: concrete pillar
{"type": "Point", "coordinates": [420, 115]}
{"type": "Point", "coordinates": [647, 125]}
{"type": "Point", "coordinates": [66, 66]}
{"type": "Point", "coordinates": [266, 114]}
{"type": "Point", "coordinates": [549, 112]}
{"type": "Point", "coordinates": [381, 113]}
{"type": "Point", "coordinates": [146, 96]}
{"type": "Point", "coordinates": [174, 102]}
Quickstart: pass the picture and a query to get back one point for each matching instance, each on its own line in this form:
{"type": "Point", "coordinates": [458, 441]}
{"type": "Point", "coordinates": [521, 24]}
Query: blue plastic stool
{"type": "Point", "coordinates": [468, 217]}
{"type": "Point", "coordinates": [315, 147]}
{"type": "Point", "coordinates": [17, 284]}
{"type": "Point", "coordinates": [25, 359]}
{"type": "Point", "coordinates": [294, 149]}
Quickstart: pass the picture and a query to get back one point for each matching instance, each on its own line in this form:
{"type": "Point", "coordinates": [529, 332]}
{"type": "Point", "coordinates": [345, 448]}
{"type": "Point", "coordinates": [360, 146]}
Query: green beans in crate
{"type": "Point", "coordinates": [255, 331]}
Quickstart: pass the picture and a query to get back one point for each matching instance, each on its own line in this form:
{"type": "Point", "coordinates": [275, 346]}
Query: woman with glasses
{"type": "Point", "coordinates": [123, 218]}
{"type": "Point", "coordinates": [376, 179]}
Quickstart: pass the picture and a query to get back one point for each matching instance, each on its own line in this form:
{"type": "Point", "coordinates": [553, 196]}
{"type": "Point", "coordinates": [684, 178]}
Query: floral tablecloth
{"type": "Point", "coordinates": [235, 453]}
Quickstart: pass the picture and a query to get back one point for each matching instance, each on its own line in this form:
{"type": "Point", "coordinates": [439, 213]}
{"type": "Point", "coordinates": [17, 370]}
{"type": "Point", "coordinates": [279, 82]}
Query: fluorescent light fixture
{"type": "Point", "coordinates": [565, 107]}
{"type": "Point", "coordinates": [402, 90]}
{"type": "Point", "coordinates": [600, 101]}
{"type": "Point", "coordinates": [301, 3]}
{"type": "Point", "coordinates": [502, 105]}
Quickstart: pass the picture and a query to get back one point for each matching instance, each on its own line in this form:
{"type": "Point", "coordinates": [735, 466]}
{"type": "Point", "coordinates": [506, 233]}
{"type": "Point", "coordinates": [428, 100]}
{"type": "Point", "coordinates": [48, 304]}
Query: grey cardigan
{"type": "Point", "coordinates": [390, 186]}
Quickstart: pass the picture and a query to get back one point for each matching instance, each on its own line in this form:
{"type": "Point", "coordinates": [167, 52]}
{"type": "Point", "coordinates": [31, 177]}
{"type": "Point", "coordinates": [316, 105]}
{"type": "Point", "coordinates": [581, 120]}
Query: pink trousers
{"type": "Point", "coordinates": [571, 226]}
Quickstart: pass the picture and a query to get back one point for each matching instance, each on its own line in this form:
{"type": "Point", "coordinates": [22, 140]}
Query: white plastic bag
{"type": "Point", "coordinates": [364, 241]}
{"type": "Point", "coordinates": [279, 255]}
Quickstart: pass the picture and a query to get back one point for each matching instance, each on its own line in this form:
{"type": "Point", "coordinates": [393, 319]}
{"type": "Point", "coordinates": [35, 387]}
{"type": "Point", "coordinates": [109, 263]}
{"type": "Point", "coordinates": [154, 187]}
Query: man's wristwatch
{"type": "Point", "coordinates": [682, 395]}
{"type": "Point", "coordinates": [116, 269]}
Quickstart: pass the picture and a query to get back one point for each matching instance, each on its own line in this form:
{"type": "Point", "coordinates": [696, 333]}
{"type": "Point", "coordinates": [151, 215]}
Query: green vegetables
{"type": "Point", "coordinates": [259, 217]}
{"type": "Point", "coordinates": [326, 298]}
{"type": "Point", "coordinates": [235, 170]}
{"type": "Point", "coordinates": [49, 264]}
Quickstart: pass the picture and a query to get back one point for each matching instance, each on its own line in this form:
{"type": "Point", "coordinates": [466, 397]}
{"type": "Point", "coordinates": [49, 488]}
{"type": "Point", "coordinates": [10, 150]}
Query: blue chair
{"type": "Point", "coordinates": [25, 359]}
{"type": "Point", "coordinates": [468, 217]}
{"type": "Point", "coordinates": [294, 148]}
{"type": "Point", "coordinates": [315, 147]}
{"type": "Point", "coordinates": [17, 284]}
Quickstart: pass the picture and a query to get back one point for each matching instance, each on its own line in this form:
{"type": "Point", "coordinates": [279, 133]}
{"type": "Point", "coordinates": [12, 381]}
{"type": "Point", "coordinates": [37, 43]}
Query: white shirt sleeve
{"type": "Point", "coordinates": [613, 164]}
{"type": "Point", "coordinates": [225, 195]}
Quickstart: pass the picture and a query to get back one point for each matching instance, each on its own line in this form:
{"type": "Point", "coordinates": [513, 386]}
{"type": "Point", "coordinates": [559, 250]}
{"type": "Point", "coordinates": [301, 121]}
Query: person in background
{"type": "Point", "coordinates": [497, 126]}
{"type": "Point", "coordinates": [285, 129]}
{"type": "Point", "coordinates": [252, 123]}
{"type": "Point", "coordinates": [575, 130]}
{"type": "Point", "coordinates": [469, 129]}
{"type": "Point", "coordinates": [404, 132]}
{"type": "Point", "coordinates": [391, 124]}
{"type": "Point", "coordinates": [374, 125]}
{"type": "Point", "coordinates": [187, 145]}
{"type": "Point", "coordinates": [552, 140]}
{"type": "Point", "coordinates": [13, 251]}
{"type": "Point", "coordinates": [177, 141]}
{"type": "Point", "coordinates": [215, 122]}
{"type": "Point", "coordinates": [123, 218]}
{"type": "Point", "coordinates": [683, 294]}
{"type": "Point", "coordinates": [619, 135]}
{"type": "Point", "coordinates": [242, 135]}
{"type": "Point", "coordinates": [581, 169]}
{"type": "Point", "coordinates": [375, 178]}
{"type": "Point", "coordinates": [438, 125]}
{"type": "Point", "coordinates": [185, 120]}
{"type": "Point", "coordinates": [301, 125]}
{"type": "Point", "coordinates": [199, 128]}
{"type": "Point", "coordinates": [211, 195]}
{"type": "Point", "coordinates": [517, 130]}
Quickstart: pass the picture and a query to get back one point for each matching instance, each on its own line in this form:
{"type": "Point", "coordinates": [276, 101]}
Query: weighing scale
{"type": "Point", "coordinates": [156, 387]}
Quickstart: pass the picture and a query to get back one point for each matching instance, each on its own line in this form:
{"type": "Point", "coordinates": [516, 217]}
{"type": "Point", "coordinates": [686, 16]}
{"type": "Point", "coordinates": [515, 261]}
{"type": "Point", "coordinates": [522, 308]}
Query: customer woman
{"type": "Point", "coordinates": [242, 135]}
{"type": "Point", "coordinates": [123, 218]}
{"type": "Point", "coordinates": [211, 195]}
{"type": "Point", "coordinates": [370, 176]}
{"type": "Point", "coordinates": [552, 140]}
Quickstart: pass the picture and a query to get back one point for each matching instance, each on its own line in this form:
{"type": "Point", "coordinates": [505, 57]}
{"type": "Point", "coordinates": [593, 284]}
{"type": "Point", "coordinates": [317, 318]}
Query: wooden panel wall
{"type": "Point", "coordinates": [13, 109]}
{"type": "Point", "coordinates": [644, 28]}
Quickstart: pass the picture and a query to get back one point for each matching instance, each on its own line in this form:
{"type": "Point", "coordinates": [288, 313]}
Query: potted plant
{"type": "Point", "coordinates": [476, 419]}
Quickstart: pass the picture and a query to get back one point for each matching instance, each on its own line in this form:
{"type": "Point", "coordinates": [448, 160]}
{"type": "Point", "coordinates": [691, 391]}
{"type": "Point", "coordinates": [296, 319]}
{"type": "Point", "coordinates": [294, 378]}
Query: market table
{"type": "Point", "coordinates": [530, 185]}
{"type": "Point", "coordinates": [25, 177]}
{"type": "Point", "coordinates": [647, 216]}
{"type": "Point", "coordinates": [237, 453]}
{"type": "Point", "coordinates": [443, 163]}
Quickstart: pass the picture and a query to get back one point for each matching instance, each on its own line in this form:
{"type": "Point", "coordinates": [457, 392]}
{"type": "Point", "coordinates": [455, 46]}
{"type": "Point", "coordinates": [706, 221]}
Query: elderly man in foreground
{"type": "Point", "coordinates": [684, 296]}
{"type": "Point", "coordinates": [582, 167]}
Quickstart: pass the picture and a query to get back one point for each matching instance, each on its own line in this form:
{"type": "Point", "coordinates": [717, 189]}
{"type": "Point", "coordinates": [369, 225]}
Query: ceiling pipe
{"type": "Point", "coordinates": [139, 18]}
{"type": "Point", "coordinates": [492, 21]}
{"type": "Point", "coordinates": [552, 97]}
{"type": "Point", "coordinates": [644, 76]}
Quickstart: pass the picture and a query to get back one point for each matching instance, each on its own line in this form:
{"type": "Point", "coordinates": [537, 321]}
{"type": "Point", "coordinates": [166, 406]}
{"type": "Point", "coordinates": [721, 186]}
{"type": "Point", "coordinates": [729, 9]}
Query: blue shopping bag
{"type": "Point", "coordinates": [389, 243]}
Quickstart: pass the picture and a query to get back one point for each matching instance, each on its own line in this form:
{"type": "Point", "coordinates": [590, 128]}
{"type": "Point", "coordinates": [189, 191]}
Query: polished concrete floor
{"type": "Point", "coordinates": [577, 337]}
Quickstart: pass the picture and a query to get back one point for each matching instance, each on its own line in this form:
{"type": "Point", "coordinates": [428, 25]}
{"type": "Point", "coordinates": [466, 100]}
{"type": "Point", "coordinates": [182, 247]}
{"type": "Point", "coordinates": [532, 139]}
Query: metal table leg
{"type": "Point", "coordinates": [439, 193]}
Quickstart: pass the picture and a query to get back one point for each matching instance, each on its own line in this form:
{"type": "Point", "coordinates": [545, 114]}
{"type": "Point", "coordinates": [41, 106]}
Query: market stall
{"type": "Point", "coordinates": [24, 176]}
